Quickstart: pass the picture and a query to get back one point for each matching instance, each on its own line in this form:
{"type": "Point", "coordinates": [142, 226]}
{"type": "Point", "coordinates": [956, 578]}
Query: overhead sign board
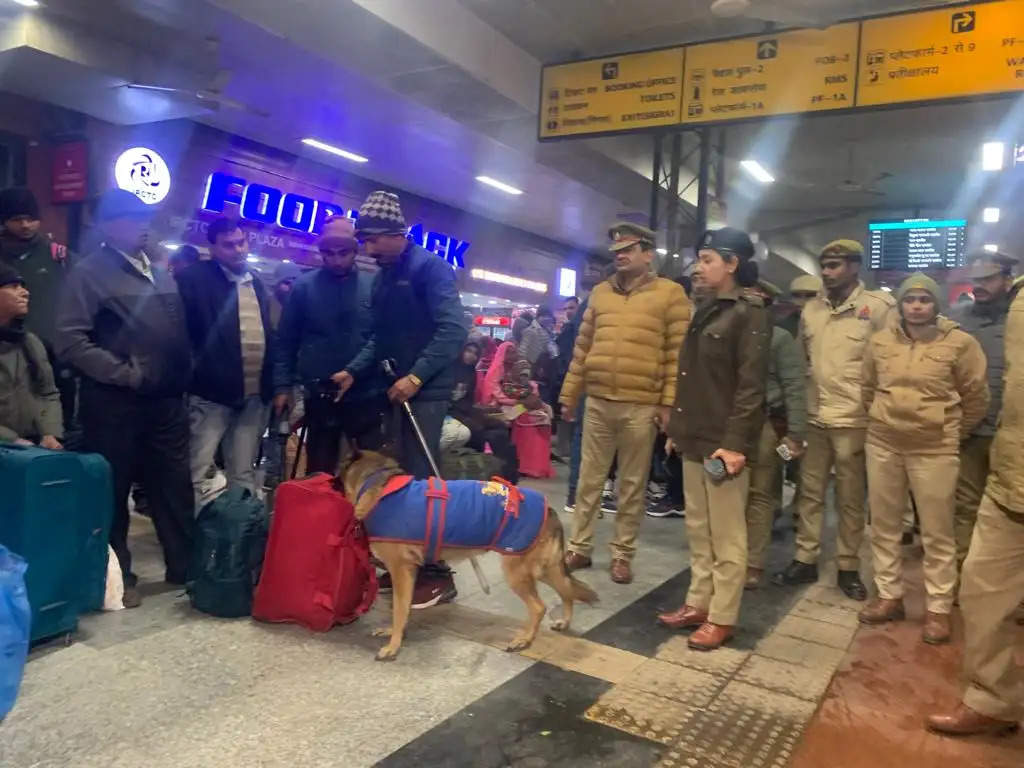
{"type": "Point", "coordinates": [947, 53]}
{"type": "Point", "coordinates": [802, 71]}
{"type": "Point", "coordinates": [942, 54]}
{"type": "Point", "coordinates": [618, 93]}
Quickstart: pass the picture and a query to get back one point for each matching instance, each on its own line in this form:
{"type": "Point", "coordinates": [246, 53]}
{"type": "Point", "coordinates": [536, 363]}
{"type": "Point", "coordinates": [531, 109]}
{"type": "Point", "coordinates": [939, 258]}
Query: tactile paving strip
{"type": "Point", "coordinates": [812, 609]}
{"type": "Point", "coordinates": [833, 635]}
{"type": "Point", "coordinates": [723, 662]}
{"type": "Point", "coordinates": [802, 682]}
{"type": "Point", "coordinates": [794, 651]}
{"type": "Point", "coordinates": [671, 681]}
{"type": "Point", "coordinates": [640, 713]}
{"type": "Point", "coordinates": [744, 727]}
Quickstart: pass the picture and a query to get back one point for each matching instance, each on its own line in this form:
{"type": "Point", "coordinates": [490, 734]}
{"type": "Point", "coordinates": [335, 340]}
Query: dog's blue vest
{"type": "Point", "coordinates": [468, 514]}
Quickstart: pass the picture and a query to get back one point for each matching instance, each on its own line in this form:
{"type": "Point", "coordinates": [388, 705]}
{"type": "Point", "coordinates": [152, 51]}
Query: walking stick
{"type": "Point", "coordinates": [389, 369]}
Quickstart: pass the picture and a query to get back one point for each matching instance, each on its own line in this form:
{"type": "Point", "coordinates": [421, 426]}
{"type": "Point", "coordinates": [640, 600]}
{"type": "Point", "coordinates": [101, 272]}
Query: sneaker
{"type": "Point", "coordinates": [132, 598]}
{"type": "Point", "coordinates": [433, 588]}
{"type": "Point", "coordinates": [569, 509]}
{"type": "Point", "coordinates": [656, 491]}
{"type": "Point", "coordinates": [665, 508]}
{"type": "Point", "coordinates": [608, 498]}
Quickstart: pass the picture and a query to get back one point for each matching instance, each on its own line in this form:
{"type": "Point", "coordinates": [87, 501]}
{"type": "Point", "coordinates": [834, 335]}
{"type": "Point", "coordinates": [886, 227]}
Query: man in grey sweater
{"type": "Point", "coordinates": [30, 411]}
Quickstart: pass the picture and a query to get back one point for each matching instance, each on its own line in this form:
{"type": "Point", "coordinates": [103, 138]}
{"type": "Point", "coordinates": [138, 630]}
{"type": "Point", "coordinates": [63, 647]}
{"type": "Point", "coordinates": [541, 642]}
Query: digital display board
{"type": "Point", "coordinates": [908, 245]}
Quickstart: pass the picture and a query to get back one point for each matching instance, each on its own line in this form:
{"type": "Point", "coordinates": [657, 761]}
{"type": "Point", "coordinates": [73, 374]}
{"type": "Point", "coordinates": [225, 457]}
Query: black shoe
{"type": "Point", "coordinates": [852, 586]}
{"type": "Point", "coordinates": [796, 573]}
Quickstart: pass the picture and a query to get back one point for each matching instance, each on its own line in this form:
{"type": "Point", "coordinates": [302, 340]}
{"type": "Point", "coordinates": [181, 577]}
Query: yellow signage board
{"type": "Point", "coordinates": [807, 70]}
{"type": "Point", "coordinates": [942, 54]}
{"type": "Point", "coordinates": [616, 93]}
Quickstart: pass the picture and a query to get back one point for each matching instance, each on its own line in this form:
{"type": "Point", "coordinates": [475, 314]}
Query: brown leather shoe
{"type": "Point", "coordinates": [966, 722]}
{"type": "Point", "coordinates": [936, 628]}
{"type": "Point", "coordinates": [687, 616]}
{"type": "Point", "coordinates": [710, 637]}
{"type": "Point", "coordinates": [753, 578]}
{"type": "Point", "coordinates": [622, 573]}
{"type": "Point", "coordinates": [881, 609]}
{"type": "Point", "coordinates": [574, 561]}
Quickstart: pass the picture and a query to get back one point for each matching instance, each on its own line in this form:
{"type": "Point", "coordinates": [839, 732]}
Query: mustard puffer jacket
{"type": "Point", "coordinates": [627, 349]}
{"type": "Point", "coordinates": [924, 397]}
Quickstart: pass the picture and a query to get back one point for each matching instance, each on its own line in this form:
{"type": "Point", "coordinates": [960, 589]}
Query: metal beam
{"type": "Point", "coordinates": [655, 181]}
{"type": "Point", "coordinates": [703, 179]}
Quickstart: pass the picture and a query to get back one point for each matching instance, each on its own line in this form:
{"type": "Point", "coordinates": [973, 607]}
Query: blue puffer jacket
{"type": "Point", "coordinates": [467, 514]}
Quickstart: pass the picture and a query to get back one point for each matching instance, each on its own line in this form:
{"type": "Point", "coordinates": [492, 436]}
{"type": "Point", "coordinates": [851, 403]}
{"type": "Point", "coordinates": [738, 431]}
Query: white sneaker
{"type": "Point", "coordinates": [213, 486]}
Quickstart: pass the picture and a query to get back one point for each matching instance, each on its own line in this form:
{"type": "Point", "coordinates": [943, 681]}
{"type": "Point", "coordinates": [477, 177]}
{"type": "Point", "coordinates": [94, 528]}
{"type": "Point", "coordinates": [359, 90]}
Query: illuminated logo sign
{"type": "Point", "coordinates": [566, 282]}
{"type": "Point", "coordinates": [515, 282]}
{"type": "Point", "coordinates": [144, 173]}
{"type": "Point", "coordinates": [269, 205]}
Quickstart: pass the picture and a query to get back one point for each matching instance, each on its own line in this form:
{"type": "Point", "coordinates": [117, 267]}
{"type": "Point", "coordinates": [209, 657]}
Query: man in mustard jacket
{"type": "Point", "coordinates": [625, 360]}
{"type": "Point", "coordinates": [835, 328]}
{"type": "Point", "coordinates": [993, 576]}
{"type": "Point", "coordinates": [924, 389]}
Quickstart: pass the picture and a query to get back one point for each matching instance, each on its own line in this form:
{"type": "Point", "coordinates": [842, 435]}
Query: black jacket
{"type": "Point", "coordinates": [325, 324]}
{"type": "Point", "coordinates": [211, 312]}
{"type": "Point", "coordinates": [417, 320]}
{"type": "Point", "coordinates": [723, 367]}
{"type": "Point", "coordinates": [121, 330]}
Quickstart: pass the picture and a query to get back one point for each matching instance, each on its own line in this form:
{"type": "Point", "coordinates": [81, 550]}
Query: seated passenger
{"type": "Point", "coordinates": [508, 386]}
{"type": "Point", "coordinates": [30, 410]}
{"type": "Point", "coordinates": [484, 429]}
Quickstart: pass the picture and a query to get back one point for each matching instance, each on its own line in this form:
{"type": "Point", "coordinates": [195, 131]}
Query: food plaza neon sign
{"type": "Point", "coordinates": [298, 213]}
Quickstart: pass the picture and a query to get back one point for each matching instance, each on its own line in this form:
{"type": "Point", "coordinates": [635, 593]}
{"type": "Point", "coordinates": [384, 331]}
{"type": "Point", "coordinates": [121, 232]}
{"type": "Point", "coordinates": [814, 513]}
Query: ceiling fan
{"type": "Point", "coordinates": [211, 97]}
{"type": "Point", "coordinates": [796, 13]}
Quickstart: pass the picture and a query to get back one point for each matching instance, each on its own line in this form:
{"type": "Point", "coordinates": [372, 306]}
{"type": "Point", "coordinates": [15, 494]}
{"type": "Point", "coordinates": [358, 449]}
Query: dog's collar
{"type": "Point", "coordinates": [367, 482]}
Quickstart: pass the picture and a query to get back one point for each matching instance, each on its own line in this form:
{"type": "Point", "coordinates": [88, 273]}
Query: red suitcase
{"type": "Point", "coordinates": [317, 569]}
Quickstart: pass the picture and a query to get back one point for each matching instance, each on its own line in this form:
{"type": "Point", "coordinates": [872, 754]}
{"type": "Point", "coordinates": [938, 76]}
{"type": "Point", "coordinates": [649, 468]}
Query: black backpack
{"type": "Point", "coordinates": [227, 556]}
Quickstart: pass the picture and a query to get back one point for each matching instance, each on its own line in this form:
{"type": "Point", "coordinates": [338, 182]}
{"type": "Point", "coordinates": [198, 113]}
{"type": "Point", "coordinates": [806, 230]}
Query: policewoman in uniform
{"type": "Point", "coordinates": [993, 575]}
{"type": "Point", "coordinates": [715, 425]}
{"type": "Point", "coordinates": [924, 389]}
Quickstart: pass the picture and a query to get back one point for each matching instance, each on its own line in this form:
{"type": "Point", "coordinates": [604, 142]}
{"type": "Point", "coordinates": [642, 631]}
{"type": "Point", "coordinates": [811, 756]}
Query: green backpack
{"type": "Point", "coordinates": [227, 555]}
{"type": "Point", "coordinates": [467, 464]}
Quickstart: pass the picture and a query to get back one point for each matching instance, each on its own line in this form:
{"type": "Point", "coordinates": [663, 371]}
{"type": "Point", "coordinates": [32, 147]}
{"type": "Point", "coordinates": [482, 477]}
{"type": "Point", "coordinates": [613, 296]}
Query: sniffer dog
{"type": "Point", "coordinates": [369, 479]}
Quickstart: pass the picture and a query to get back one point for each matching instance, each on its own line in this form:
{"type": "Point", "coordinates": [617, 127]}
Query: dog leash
{"type": "Point", "coordinates": [389, 369]}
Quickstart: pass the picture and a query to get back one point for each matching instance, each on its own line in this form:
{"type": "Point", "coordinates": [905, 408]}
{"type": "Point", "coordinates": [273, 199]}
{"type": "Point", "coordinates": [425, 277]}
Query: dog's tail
{"type": "Point", "coordinates": [580, 591]}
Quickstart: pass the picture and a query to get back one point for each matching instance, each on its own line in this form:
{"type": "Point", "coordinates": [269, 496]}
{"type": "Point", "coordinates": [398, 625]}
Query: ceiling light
{"type": "Point", "coordinates": [507, 188]}
{"type": "Point", "coordinates": [516, 282]}
{"type": "Point", "coordinates": [675, 255]}
{"type": "Point", "coordinates": [992, 155]}
{"type": "Point", "coordinates": [758, 171]}
{"type": "Point", "coordinates": [991, 247]}
{"type": "Point", "coordinates": [887, 289]}
{"type": "Point", "coordinates": [252, 259]}
{"type": "Point", "coordinates": [171, 246]}
{"type": "Point", "coordinates": [990, 215]}
{"type": "Point", "coordinates": [28, 3]}
{"type": "Point", "coordinates": [336, 151]}
{"type": "Point", "coordinates": [286, 261]}
{"type": "Point", "coordinates": [662, 251]}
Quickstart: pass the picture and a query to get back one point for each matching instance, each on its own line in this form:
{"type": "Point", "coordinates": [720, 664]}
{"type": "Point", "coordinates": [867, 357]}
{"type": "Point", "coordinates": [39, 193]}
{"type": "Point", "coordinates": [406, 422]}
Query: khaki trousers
{"type": "Point", "coordinates": [970, 487]}
{"type": "Point", "coordinates": [993, 587]}
{"type": "Point", "coordinates": [717, 528]}
{"type": "Point", "coordinates": [765, 496]}
{"type": "Point", "coordinates": [932, 480]}
{"type": "Point", "coordinates": [844, 448]}
{"type": "Point", "coordinates": [629, 430]}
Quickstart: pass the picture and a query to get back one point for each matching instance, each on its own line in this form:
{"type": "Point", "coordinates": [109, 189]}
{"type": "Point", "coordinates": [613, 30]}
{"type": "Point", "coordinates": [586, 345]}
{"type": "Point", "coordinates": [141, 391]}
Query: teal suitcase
{"type": "Point", "coordinates": [55, 512]}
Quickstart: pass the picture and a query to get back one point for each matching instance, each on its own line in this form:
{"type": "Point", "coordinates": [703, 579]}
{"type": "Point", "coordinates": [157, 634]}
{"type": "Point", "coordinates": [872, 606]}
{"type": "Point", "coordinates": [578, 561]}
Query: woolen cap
{"type": "Point", "coordinates": [9, 275]}
{"type": "Point", "coordinates": [992, 264]}
{"type": "Point", "coordinates": [728, 239]}
{"type": "Point", "coordinates": [626, 234]}
{"type": "Point", "coordinates": [18, 201]}
{"type": "Point", "coordinates": [381, 214]}
{"type": "Point", "coordinates": [805, 284]}
{"type": "Point", "coordinates": [850, 250]}
{"type": "Point", "coordinates": [919, 281]}
{"type": "Point", "coordinates": [121, 204]}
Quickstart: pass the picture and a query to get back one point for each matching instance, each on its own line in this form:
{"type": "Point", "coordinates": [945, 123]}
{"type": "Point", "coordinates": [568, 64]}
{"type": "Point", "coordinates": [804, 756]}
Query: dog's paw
{"type": "Point", "coordinates": [559, 625]}
{"type": "Point", "coordinates": [387, 653]}
{"type": "Point", "coordinates": [518, 643]}
{"type": "Point", "coordinates": [382, 632]}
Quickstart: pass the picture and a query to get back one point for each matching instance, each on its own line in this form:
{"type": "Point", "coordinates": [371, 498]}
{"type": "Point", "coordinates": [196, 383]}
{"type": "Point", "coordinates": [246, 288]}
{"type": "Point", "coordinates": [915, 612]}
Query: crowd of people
{"type": "Point", "coordinates": [165, 371]}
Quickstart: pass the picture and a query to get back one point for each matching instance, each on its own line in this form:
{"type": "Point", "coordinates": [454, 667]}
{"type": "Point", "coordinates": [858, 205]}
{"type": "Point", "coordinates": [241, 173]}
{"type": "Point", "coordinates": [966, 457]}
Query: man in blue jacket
{"type": "Point", "coordinates": [325, 324]}
{"type": "Point", "coordinates": [417, 320]}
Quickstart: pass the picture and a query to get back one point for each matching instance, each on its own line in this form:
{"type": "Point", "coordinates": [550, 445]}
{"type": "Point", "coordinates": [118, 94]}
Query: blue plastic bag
{"type": "Point", "coordinates": [15, 620]}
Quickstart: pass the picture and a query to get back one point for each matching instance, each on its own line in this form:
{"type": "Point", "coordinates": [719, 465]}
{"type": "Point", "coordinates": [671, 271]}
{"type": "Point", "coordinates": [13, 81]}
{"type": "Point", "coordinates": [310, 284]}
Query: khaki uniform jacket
{"type": "Point", "coordinates": [924, 397]}
{"type": "Point", "coordinates": [723, 368]}
{"type": "Point", "coordinates": [834, 340]}
{"type": "Point", "coordinates": [628, 345]}
{"type": "Point", "coordinates": [1006, 476]}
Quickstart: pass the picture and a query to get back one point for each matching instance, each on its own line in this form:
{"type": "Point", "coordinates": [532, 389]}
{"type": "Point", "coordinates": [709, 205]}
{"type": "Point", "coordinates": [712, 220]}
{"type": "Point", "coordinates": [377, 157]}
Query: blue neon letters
{"type": "Point", "coordinates": [267, 205]}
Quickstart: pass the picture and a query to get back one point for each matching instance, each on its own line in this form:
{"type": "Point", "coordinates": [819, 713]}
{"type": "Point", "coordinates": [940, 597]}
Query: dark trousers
{"type": "Point", "coordinates": [430, 416]}
{"type": "Point", "coordinates": [500, 440]}
{"type": "Point", "coordinates": [145, 440]}
{"type": "Point", "coordinates": [328, 421]}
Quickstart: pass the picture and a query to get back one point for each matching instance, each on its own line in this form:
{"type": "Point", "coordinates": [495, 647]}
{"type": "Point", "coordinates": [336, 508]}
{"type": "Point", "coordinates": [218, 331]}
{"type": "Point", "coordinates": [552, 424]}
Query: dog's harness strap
{"type": "Point", "coordinates": [512, 502]}
{"type": "Point", "coordinates": [437, 504]}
